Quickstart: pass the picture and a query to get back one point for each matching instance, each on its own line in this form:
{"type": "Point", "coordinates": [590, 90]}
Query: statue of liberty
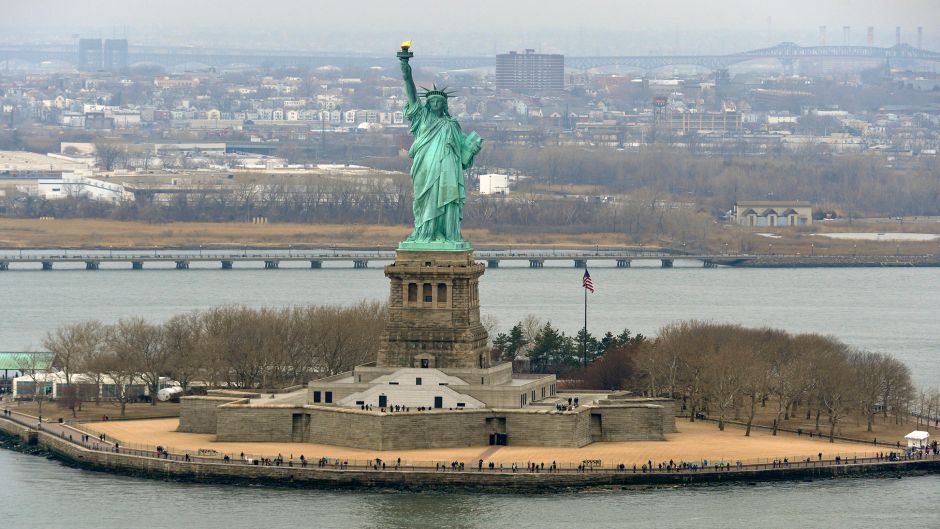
{"type": "Point", "coordinates": [440, 153]}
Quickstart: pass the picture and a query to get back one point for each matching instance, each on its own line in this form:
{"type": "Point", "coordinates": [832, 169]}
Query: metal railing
{"type": "Point", "coordinates": [103, 443]}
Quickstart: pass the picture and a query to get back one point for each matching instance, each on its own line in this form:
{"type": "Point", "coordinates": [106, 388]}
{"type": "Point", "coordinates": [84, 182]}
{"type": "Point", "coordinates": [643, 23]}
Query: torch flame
{"type": "Point", "coordinates": [405, 45]}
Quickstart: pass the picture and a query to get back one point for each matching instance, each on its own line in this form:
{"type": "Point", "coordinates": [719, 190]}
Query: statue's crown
{"type": "Point", "coordinates": [435, 91]}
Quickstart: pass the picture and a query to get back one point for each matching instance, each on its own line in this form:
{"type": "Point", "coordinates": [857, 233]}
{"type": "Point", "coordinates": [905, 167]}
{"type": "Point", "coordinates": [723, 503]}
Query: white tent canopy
{"type": "Point", "coordinates": [917, 439]}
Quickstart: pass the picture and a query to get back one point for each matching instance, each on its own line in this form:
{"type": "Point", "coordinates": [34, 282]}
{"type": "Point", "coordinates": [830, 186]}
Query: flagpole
{"type": "Point", "coordinates": [584, 335]}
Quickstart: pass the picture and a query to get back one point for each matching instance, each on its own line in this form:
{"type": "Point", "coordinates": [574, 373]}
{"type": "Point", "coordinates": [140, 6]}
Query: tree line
{"type": "Point", "coordinates": [858, 185]}
{"type": "Point", "coordinates": [545, 349]}
{"type": "Point", "coordinates": [728, 371]}
{"type": "Point", "coordinates": [645, 217]}
{"type": "Point", "coordinates": [232, 346]}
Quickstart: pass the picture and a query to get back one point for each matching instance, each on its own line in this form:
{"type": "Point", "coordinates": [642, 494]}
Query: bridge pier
{"type": "Point", "coordinates": [271, 264]}
{"type": "Point", "coordinates": [360, 263]}
{"type": "Point", "coordinates": [580, 263]}
{"type": "Point", "coordinates": [536, 263]}
{"type": "Point", "coordinates": [492, 263]}
{"type": "Point", "coordinates": [667, 263]}
{"type": "Point", "coordinates": [92, 265]}
{"type": "Point", "coordinates": [182, 265]}
{"type": "Point", "coordinates": [623, 263]}
{"type": "Point", "coordinates": [47, 265]}
{"type": "Point", "coordinates": [137, 265]}
{"type": "Point", "coordinates": [316, 264]}
{"type": "Point", "coordinates": [226, 265]}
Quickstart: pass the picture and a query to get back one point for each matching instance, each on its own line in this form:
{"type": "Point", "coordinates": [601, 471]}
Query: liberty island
{"type": "Point", "coordinates": [433, 384]}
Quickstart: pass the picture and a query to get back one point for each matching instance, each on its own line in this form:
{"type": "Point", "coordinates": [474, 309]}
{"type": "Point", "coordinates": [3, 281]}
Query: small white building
{"type": "Point", "coordinates": [75, 184]}
{"type": "Point", "coordinates": [493, 184]}
{"type": "Point", "coordinates": [773, 213]}
{"type": "Point", "coordinates": [412, 387]}
{"type": "Point", "coordinates": [918, 439]}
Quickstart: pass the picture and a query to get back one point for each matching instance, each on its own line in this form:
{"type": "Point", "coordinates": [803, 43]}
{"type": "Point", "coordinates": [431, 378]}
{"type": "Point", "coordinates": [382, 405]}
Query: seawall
{"type": "Point", "coordinates": [430, 479]}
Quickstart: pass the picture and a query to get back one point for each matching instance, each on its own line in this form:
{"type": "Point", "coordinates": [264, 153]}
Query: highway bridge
{"type": "Point", "coordinates": [174, 57]}
{"type": "Point", "coordinates": [273, 258]}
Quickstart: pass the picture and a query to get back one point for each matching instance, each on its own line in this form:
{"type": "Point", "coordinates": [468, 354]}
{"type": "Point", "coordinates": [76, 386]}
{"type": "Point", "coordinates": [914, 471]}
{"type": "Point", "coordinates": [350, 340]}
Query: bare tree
{"type": "Point", "coordinates": [71, 344]}
{"type": "Point", "coordinates": [109, 154]}
{"type": "Point", "coordinates": [181, 338]}
{"type": "Point", "coordinates": [122, 363]}
{"type": "Point", "coordinates": [34, 366]}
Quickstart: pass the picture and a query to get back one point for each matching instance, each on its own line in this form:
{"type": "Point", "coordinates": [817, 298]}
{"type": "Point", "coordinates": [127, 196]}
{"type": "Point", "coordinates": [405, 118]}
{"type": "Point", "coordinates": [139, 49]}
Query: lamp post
{"type": "Point", "coordinates": [812, 249]}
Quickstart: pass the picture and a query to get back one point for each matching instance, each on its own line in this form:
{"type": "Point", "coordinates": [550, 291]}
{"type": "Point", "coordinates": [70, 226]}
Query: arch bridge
{"type": "Point", "coordinates": [169, 56]}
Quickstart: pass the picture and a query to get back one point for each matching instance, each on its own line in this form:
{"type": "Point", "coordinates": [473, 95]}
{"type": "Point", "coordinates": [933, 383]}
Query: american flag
{"type": "Point", "coordinates": [586, 281]}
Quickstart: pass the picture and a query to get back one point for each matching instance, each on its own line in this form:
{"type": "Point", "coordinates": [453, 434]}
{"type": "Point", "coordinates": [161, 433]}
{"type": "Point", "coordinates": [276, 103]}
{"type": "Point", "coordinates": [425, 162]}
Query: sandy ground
{"type": "Point", "coordinates": [693, 443]}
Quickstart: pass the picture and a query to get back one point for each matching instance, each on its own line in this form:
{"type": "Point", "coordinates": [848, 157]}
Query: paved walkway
{"type": "Point", "coordinates": [91, 442]}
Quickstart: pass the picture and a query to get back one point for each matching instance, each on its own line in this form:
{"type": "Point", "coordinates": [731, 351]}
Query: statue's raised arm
{"type": "Point", "coordinates": [403, 56]}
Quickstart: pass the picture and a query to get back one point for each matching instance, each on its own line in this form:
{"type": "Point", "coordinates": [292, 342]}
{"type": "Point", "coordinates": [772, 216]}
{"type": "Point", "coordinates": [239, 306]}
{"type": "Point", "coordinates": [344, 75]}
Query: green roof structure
{"type": "Point", "coordinates": [17, 360]}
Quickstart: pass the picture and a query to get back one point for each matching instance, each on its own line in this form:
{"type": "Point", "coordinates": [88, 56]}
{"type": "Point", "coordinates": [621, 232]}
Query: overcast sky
{"type": "Point", "coordinates": [687, 20]}
{"type": "Point", "coordinates": [502, 14]}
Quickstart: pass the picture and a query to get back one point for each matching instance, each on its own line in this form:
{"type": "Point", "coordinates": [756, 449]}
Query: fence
{"type": "Point", "coordinates": [103, 443]}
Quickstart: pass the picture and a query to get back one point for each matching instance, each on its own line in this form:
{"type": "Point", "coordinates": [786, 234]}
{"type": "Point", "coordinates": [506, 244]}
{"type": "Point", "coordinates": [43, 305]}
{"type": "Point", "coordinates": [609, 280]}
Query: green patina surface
{"type": "Point", "coordinates": [441, 152]}
{"type": "Point", "coordinates": [18, 360]}
{"type": "Point", "coordinates": [435, 246]}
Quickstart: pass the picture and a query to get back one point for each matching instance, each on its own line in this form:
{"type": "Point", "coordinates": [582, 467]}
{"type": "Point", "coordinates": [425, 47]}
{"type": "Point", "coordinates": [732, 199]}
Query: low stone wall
{"type": "Point", "coordinates": [200, 414]}
{"type": "Point", "coordinates": [420, 479]}
{"type": "Point", "coordinates": [631, 422]}
{"type": "Point", "coordinates": [257, 424]}
{"type": "Point", "coordinates": [435, 429]}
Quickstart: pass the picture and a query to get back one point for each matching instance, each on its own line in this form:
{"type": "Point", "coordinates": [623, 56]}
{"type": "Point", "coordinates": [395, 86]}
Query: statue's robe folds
{"type": "Point", "coordinates": [441, 153]}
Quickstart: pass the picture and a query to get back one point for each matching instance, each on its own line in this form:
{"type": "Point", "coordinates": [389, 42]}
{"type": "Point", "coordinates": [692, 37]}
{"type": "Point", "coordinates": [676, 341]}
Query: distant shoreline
{"type": "Point", "coordinates": [117, 235]}
{"type": "Point", "coordinates": [428, 479]}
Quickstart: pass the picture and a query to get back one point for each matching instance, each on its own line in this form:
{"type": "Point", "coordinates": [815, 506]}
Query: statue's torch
{"type": "Point", "coordinates": [405, 54]}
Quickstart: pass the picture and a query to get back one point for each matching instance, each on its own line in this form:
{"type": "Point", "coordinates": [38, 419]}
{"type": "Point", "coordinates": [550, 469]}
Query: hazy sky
{"type": "Point", "coordinates": [572, 26]}
{"type": "Point", "coordinates": [500, 14]}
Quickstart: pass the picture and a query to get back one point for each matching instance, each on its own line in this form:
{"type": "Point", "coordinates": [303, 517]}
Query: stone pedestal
{"type": "Point", "coordinates": [434, 312]}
